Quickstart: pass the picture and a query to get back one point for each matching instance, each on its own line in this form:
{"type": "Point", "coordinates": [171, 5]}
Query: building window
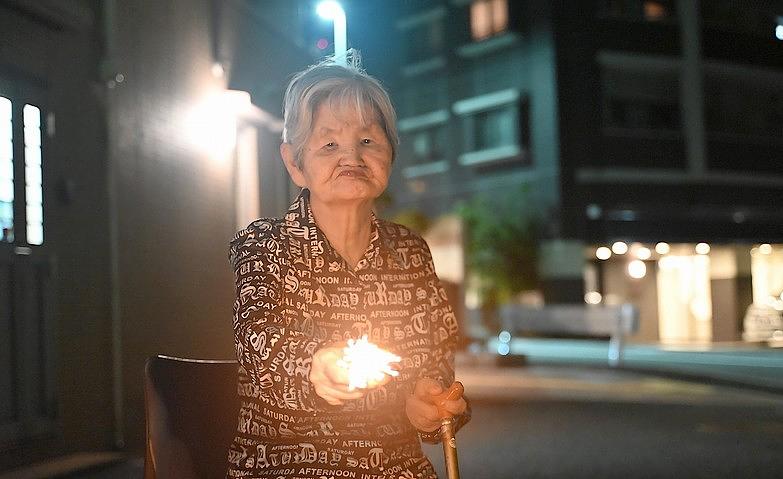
{"type": "Point", "coordinates": [6, 171]}
{"type": "Point", "coordinates": [641, 99]}
{"type": "Point", "coordinates": [759, 19]}
{"type": "Point", "coordinates": [495, 127]}
{"type": "Point", "coordinates": [647, 10]}
{"type": "Point", "coordinates": [743, 106]}
{"type": "Point", "coordinates": [424, 34]}
{"type": "Point", "coordinates": [488, 18]}
{"type": "Point", "coordinates": [428, 94]}
{"type": "Point", "coordinates": [33, 174]}
{"type": "Point", "coordinates": [424, 41]}
{"type": "Point", "coordinates": [428, 144]}
{"type": "Point", "coordinates": [743, 116]}
{"type": "Point", "coordinates": [31, 222]}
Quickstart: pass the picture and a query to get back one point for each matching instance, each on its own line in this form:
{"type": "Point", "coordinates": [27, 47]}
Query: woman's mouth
{"type": "Point", "coordinates": [353, 173]}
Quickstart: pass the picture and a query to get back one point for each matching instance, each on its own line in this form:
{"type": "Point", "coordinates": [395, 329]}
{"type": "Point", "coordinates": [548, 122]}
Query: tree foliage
{"type": "Point", "coordinates": [501, 243]}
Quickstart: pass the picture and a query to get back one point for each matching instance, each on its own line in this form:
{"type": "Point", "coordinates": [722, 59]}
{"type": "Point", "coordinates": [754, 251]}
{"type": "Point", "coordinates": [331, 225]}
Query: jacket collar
{"type": "Point", "coordinates": [301, 225]}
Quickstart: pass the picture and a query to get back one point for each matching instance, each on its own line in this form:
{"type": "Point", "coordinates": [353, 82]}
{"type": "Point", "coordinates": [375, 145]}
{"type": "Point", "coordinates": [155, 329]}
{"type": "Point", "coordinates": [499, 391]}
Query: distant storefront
{"type": "Point", "coordinates": [692, 293]}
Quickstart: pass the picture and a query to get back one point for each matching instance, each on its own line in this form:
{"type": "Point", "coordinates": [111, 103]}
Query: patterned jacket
{"type": "Point", "coordinates": [294, 294]}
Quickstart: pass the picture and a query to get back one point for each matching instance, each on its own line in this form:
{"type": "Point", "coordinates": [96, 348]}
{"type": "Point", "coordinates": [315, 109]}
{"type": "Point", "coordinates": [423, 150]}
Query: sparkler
{"type": "Point", "coordinates": [366, 363]}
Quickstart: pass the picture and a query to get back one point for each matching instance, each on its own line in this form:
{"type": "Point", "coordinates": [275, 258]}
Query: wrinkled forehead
{"type": "Point", "coordinates": [348, 105]}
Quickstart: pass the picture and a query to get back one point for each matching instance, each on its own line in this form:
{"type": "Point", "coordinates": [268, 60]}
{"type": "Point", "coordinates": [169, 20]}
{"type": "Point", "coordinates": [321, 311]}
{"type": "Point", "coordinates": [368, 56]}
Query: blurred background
{"type": "Point", "coordinates": [583, 153]}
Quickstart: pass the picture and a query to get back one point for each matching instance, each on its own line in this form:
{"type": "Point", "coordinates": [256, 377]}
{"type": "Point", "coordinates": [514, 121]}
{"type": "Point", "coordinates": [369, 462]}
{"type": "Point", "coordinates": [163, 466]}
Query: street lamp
{"type": "Point", "coordinates": [332, 10]}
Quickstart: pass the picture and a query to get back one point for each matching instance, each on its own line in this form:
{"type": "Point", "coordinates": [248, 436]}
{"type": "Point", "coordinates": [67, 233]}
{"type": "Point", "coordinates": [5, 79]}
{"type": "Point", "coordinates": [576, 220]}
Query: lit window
{"type": "Point", "coordinates": [33, 174]}
{"type": "Point", "coordinates": [488, 18]}
{"type": "Point", "coordinates": [6, 171]}
{"type": "Point", "coordinates": [648, 10]}
{"type": "Point", "coordinates": [655, 11]}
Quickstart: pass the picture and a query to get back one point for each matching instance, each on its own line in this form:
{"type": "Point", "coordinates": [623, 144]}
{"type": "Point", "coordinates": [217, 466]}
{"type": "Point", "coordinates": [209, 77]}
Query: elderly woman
{"type": "Point", "coordinates": [326, 272]}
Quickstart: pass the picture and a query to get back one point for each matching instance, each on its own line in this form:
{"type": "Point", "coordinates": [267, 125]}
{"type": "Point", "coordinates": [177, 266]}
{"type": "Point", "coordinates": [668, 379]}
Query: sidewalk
{"type": "Point", "coordinates": [738, 364]}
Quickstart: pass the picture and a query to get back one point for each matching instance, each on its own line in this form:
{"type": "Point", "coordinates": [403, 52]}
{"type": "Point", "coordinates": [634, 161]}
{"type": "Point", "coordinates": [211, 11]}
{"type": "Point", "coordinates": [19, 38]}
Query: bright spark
{"type": "Point", "coordinates": [366, 363]}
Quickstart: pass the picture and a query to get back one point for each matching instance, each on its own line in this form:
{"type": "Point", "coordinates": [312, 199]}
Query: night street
{"type": "Point", "coordinates": [576, 422]}
{"type": "Point", "coordinates": [654, 428]}
{"type": "Point", "coordinates": [263, 239]}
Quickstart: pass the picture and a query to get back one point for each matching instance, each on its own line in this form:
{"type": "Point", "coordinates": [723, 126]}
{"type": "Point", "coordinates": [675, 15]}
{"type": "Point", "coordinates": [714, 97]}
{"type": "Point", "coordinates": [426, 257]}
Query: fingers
{"type": "Point", "coordinates": [423, 415]}
{"type": "Point", "coordinates": [336, 396]}
{"type": "Point", "coordinates": [426, 388]}
{"type": "Point", "coordinates": [380, 382]}
{"type": "Point", "coordinates": [454, 408]}
{"type": "Point", "coordinates": [330, 380]}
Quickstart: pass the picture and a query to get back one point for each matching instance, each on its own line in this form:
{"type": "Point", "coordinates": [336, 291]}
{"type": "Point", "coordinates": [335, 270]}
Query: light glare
{"type": "Point", "coordinates": [643, 253]}
{"type": "Point", "coordinates": [329, 10]}
{"type": "Point", "coordinates": [662, 248]}
{"type": "Point", "coordinates": [702, 248]}
{"type": "Point", "coordinates": [637, 269]}
{"type": "Point", "coordinates": [593, 297]}
{"type": "Point", "coordinates": [765, 248]}
{"type": "Point", "coordinates": [603, 253]}
{"type": "Point", "coordinates": [619, 248]}
{"type": "Point", "coordinates": [366, 363]}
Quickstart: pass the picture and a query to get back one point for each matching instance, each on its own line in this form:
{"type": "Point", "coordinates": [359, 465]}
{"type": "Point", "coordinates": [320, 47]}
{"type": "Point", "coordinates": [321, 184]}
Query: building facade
{"type": "Point", "coordinates": [633, 123]}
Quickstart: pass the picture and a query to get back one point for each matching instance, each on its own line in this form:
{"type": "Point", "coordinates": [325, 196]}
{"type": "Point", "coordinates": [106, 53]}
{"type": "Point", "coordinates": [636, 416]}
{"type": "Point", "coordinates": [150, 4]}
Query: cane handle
{"type": "Point", "coordinates": [453, 393]}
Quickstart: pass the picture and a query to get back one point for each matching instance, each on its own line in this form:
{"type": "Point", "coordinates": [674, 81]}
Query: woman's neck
{"type": "Point", "coordinates": [346, 227]}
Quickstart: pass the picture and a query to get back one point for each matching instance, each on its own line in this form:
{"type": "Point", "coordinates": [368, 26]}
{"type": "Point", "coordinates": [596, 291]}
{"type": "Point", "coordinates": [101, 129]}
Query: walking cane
{"type": "Point", "coordinates": [447, 434]}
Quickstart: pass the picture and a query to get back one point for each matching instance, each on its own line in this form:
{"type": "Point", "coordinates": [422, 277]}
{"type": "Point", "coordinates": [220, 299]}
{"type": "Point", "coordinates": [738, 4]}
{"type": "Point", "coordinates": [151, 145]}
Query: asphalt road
{"type": "Point", "coordinates": [583, 422]}
{"type": "Point", "coordinates": [560, 438]}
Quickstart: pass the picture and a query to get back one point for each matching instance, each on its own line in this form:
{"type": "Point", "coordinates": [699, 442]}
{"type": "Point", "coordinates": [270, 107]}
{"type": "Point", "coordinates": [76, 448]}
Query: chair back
{"type": "Point", "coordinates": [191, 413]}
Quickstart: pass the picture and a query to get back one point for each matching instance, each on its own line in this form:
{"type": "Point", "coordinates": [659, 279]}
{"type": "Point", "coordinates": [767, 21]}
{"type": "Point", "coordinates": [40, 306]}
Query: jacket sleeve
{"type": "Point", "coordinates": [275, 355]}
{"type": "Point", "coordinates": [445, 337]}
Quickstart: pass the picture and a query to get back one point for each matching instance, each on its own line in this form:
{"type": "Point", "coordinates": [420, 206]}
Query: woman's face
{"type": "Point", "coordinates": [343, 161]}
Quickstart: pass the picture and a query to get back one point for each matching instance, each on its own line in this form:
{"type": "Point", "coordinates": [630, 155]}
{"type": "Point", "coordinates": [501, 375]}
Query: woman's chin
{"type": "Point", "coordinates": [356, 193]}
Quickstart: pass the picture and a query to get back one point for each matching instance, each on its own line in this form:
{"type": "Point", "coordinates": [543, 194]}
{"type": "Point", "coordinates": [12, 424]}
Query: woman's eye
{"type": "Point", "coordinates": [366, 141]}
{"type": "Point", "coordinates": [330, 145]}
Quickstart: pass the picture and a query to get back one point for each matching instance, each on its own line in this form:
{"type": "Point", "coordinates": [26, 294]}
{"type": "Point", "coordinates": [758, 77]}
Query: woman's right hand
{"type": "Point", "coordinates": [329, 379]}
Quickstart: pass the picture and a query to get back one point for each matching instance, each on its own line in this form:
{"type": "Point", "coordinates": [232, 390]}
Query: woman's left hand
{"type": "Point", "coordinates": [421, 405]}
{"type": "Point", "coordinates": [330, 380]}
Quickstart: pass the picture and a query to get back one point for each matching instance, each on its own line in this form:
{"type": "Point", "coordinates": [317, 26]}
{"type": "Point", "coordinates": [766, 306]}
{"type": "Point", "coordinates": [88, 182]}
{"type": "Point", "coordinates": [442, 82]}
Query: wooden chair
{"type": "Point", "coordinates": [191, 413]}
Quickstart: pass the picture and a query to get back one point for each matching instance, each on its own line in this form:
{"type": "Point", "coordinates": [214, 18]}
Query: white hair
{"type": "Point", "coordinates": [341, 86]}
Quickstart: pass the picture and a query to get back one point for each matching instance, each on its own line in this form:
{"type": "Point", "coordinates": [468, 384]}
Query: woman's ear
{"type": "Point", "coordinates": [290, 164]}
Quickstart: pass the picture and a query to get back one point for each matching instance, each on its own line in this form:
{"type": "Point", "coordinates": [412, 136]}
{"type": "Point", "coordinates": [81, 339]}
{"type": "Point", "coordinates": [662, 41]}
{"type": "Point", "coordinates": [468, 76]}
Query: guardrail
{"type": "Point", "coordinates": [616, 322]}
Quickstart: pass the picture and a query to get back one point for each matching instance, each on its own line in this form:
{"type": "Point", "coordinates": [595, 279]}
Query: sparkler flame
{"type": "Point", "coordinates": [366, 363]}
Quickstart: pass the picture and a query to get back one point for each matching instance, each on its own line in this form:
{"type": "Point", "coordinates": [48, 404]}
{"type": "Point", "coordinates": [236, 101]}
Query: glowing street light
{"type": "Point", "coordinates": [603, 253]}
{"type": "Point", "coordinates": [618, 247]}
{"type": "Point", "coordinates": [662, 248]}
{"type": "Point", "coordinates": [637, 269]}
{"type": "Point", "coordinates": [332, 10]}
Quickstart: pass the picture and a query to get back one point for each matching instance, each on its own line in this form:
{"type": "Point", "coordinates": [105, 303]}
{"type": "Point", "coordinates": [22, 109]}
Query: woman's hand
{"type": "Point", "coordinates": [421, 407]}
{"type": "Point", "coordinates": [330, 380]}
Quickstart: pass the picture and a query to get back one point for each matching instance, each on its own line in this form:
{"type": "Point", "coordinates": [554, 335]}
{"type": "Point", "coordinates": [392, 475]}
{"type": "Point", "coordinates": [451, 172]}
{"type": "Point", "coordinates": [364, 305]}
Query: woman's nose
{"type": "Point", "coordinates": [350, 156]}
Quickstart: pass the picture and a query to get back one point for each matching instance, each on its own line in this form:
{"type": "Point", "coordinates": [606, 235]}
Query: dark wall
{"type": "Point", "coordinates": [174, 192]}
{"type": "Point", "coordinates": [56, 51]}
{"type": "Point", "coordinates": [140, 203]}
